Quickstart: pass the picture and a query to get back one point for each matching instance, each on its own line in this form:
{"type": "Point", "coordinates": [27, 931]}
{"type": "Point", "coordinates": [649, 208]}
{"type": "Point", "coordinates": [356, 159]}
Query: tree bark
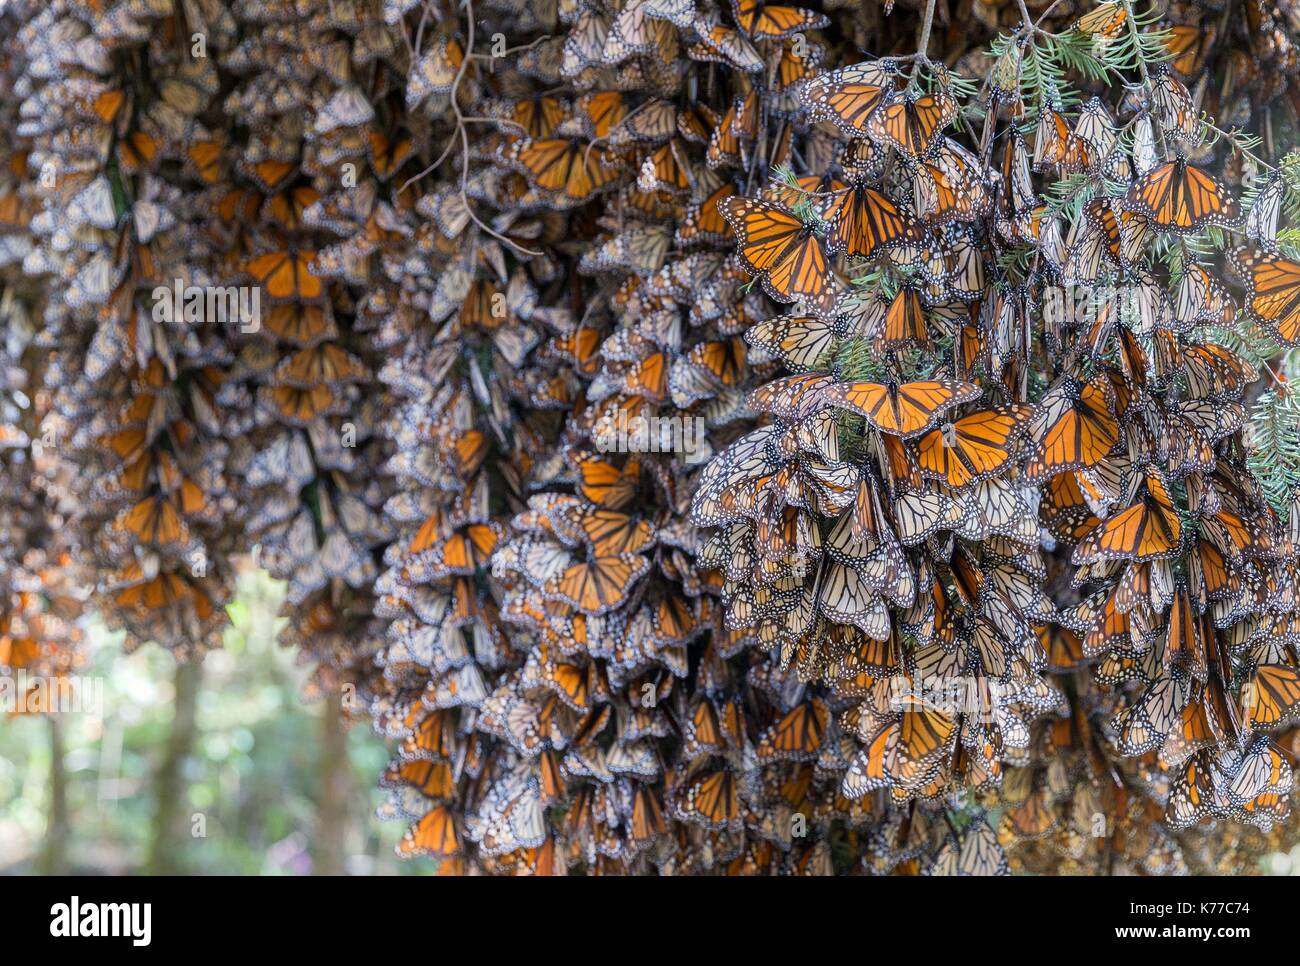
{"type": "Point", "coordinates": [171, 825]}
{"type": "Point", "coordinates": [334, 793]}
{"type": "Point", "coordinates": [54, 853]}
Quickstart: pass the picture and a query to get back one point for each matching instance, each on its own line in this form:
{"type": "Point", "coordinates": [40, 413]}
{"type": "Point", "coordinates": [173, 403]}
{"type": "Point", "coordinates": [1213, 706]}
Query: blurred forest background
{"type": "Point", "coordinates": [227, 748]}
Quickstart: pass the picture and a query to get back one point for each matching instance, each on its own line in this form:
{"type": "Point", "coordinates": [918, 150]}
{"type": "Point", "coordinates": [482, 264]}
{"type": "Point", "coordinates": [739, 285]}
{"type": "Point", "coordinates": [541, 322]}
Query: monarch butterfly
{"type": "Point", "coordinates": [1057, 145]}
{"type": "Point", "coordinates": [599, 113]}
{"type": "Point", "coordinates": [1065, 510]}
{"type": "Point", "coordinates": [849, 96]}
{"type": "Point", "coordinates": [1124, 232]}
{"type": "Point", "coordinates": [1193, 795]}
{"type": "Point", "coordinates": [862, 220]}
{"type": "Point", "coordinates": [786, 253]}
{"type": "Point", "coordinates": [605, 484]}
{"type": "Point", "coordinates": [136, 152]}
{"type": "Point", "coordinates": [739, 123]}
{"type": "Point", "coordinates": [881, 764]}
{"type": "Point", "coordinates": [633, 31]}
{"type": "Point", "coordinates": [924, 732]}
{"type": "Point", "coordinates": [599, 585]}
{"type": "Point", "coordinates": [164, 594]}
{"type": "Point", "coordinates": [155, 521]}
{"type": "Point", "coordinates": [1104, 20]}
{"type": "Point", "coordinates": [718, 42]}
{"type": "Point", "coordinates": [704, 222]}
{"type": "Point", "coordinates": [1261, 220]}
{"type": "Point", "coordinates": [647, 818]}
{"type": "Point", "coordinates": [722, 361]}
{"type": "Point", "coordinates": [711, 800]}
{"type": "Point", "coordinates": [436, 71]}
{"type": "Point", "coordinates": [575, 685]}
{"type": "Point", "coordinates": [712, 731]}
{"type": "Point", "coordinates": [665, 170]}
{"type": "Point", "coordinates": [912, 123]}
{"type": "Point", "coordinates": [1147, 530]}
{"type": "Point", "coordinates": [1201, 299]}
{"type": "Point", "coordinates": [433, 738]}
{"type": "Point", "coordinates": [920, 514]}
{"type": "Point", "coordinates": [204, 157]}
{"type": "Point", "coordinates": [1189, 45]}
{"type": "Point", "coordinates": [906, 409]}
{"type": "Point", "coordinates": [950, 185]}
{"type": "Point", "coordinates": [1096, 129]}
{"type": "Point", "coordinates": [795, 65]}
{"type": "Point", "coordinates": [802, 342]}
{"type": "Point", "coordinates": [1272, 696]}
{"type": "Point", "coordinates": [975, 447]}
{"type": "Point", "coordinates": [461, 552]}
{"type": "Point", "coordinates": [579, 347]}
{"type": "Point", "coordinates": [325, 363]}
{"type": "Point", "coordinates": [1274, 299]}
{"type": "Point", "coordinates": [797, 736]}
{"type": "Point", "coordinates": [432, 779]}
{"type": "Point", "coordinates": [287, 276]}
{"type": "Point", "coordinates": [1145, 725]}
{"type": "Point", "coordinates": [608, 531]}
{"type": "Point", "coordinates": [300, 406]}
{"type": "Point", "coordinates": [1212, 370]}
{"type": "Point", "coordinates": [846, 596]}
{"type": "Point", "coordinates": [648, 377]}
{"type": "Point", "coordinates": [1262, 770]}
{"type": "Point", "coordinates": [770, 22]}
{"type": "Point", "coordinates": [510, 817]}
{"type": "Point", "coordinates": [269, 174]}
{"type": "Point", "coordinates": [1183, 199]}
{"type": "Point", "coordinates": [566, 167]}
{"type": "Point", "coordinates": [1172, 105]}
{"type": "Point", "coordinates": [1182, 638]}
{"type": "Point", "coordinates": [1072, 428]}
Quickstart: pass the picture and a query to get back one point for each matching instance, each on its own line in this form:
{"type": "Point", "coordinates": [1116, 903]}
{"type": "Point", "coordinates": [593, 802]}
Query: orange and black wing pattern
{"type": "Point", "coordinates": [1181, 198]}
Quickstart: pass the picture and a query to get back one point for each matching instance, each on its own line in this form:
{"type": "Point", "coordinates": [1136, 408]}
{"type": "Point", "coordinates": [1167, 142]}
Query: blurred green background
{"type": "Point", "coordinates": [251, 775]}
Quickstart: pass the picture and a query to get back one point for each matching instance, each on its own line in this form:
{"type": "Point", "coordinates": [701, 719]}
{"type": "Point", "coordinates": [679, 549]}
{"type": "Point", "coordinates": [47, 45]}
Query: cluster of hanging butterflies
{"type": "Point", "coordinates": [675, 420]}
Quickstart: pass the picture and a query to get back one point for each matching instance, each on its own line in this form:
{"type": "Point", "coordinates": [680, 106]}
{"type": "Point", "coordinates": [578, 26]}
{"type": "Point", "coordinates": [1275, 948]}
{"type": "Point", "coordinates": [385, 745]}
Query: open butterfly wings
{"type": "Point", "coordinates": [1181, 198]}
{"type": "Point", "coordinates": [787, 255]}
{"type": "Point", "coordinates": [903, 410]}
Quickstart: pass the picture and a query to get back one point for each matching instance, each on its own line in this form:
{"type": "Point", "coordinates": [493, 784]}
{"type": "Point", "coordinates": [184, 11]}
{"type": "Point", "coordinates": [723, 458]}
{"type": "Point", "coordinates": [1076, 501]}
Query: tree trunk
{"type": "Point", "coordinates": [54, 853]}
{"type": "Point", "coordinates": [335, 791]}
{"type": "Point", "coordinates": [170, 826]}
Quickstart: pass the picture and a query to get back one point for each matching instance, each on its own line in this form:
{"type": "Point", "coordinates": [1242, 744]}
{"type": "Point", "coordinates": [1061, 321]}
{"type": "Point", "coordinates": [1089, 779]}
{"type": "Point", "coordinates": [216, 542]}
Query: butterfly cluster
{"type": "Point", "coordinates": [704, 437]}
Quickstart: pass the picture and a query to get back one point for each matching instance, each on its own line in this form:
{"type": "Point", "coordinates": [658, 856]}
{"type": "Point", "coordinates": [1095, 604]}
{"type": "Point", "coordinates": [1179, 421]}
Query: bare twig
{"type": "Point", "coordinates": [462, 134]}
{"type": "Point", "coordinates": [512, 50]}
{"type": "Point", "coordinates": [923, 45]}
{"type": "Point", "coordinates": [419, 32]}
{"type": "Point", "coordinates": [1044, 15]}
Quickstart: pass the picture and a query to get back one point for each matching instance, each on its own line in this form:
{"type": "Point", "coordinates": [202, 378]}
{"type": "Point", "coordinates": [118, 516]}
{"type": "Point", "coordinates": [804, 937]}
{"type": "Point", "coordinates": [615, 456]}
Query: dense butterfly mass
{"type": "Point", "coordinates": [705, 437]}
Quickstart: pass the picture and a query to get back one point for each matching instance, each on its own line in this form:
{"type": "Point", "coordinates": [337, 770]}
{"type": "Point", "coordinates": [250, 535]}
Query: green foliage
{"type": "Point", "coordinates": [1274, 455]}
{"type": "Point", "coordinates": [1074, 52]}
{"type": "Point", "coordinates": [805, 209]}
{"type": "Point", "coordinates": [1245, 339]}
